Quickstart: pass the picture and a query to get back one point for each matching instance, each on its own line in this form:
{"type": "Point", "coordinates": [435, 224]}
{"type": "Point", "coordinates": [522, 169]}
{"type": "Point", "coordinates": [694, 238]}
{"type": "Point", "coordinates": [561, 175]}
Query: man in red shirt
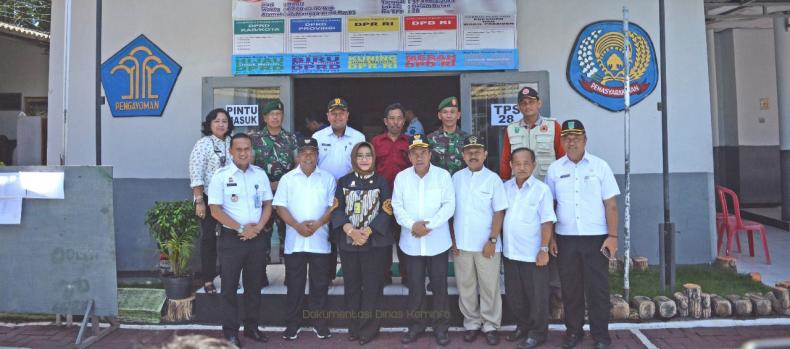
{"type": "Point", "coordinates": [392, 156]}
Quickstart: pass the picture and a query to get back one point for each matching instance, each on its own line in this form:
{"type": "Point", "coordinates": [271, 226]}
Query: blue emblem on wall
{"type": "Point", "coordinates": [138, 79]}
{"type": "Point", "coordinates": [596, 67]}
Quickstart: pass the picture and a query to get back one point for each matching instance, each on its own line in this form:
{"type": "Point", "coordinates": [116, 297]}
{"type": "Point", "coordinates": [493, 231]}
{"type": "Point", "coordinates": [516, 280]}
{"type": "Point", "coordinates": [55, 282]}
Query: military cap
{"type": "Point", "coordinates": [528, 92]}
{"type": "Point", "coordinates": [474, 141]}
{"type": "Point", "coordinates": [308, 143]}
{"type": "Point", "coordinates": [276, 104]}
{"type": "Point", "coordinates": [448, 102]}
{"type": "Point", "coordinates": [574, 127]}
{"type": "Point", "coordinates": [417, 142]}
{"type": "Point", "coordinates": [337, 103]}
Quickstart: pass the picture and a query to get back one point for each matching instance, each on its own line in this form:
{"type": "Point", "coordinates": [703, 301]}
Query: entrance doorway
{"type": "Point", "coordinates": [368, 96]}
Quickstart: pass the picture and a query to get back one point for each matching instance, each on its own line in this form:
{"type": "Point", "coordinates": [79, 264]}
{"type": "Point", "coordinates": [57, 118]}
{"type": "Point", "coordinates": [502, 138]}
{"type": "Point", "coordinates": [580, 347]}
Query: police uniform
{"type": "Point", "coordinates": [478, 196]}
{"type": "Point", "coordinates": [428, 198]}
{"type": "Point", "coordinates": [275, 154]}
{"type": "Point", "coordinates": [306, 198]}
{"type": "Point", "coordinates": [580, 190]}
{"type": "Point", "coordinates": [447, 147]}
{"type": "Point", "coordinates": [543, 138]}
{"type": "Point", "coordinates": [242, 195]}
{"type": "Point", "coordinates": [364, 202]}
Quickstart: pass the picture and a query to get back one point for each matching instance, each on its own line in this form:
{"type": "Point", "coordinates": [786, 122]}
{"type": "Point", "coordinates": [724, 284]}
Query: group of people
{"type": "Point", "coordinates": [431, 196]}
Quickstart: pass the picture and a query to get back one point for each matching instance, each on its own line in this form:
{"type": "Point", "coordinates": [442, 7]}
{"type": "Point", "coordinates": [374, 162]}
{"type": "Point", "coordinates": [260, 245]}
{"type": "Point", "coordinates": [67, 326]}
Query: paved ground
{"type": "Point", "coordinates": [719, 338]}
{"type": "Point", "coordinates": [778, 247]}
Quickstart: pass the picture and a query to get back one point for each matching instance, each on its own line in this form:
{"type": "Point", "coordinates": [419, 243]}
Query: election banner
{"type": "Point", "coordinates": [322, 36]}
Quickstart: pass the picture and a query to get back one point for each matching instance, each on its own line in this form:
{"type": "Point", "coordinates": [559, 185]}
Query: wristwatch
{"type": "Point", "coordinates": [544, 249]}
{"type": "Point", "coordinates": [492, 240]}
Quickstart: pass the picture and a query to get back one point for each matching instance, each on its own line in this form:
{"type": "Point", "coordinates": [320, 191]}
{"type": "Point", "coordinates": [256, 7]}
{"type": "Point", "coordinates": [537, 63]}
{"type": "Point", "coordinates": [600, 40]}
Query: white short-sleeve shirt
{"type": "Point", "coordinates": [478, 195]}
{"type": "Point", "coordinates": [580, 189]}
{"type": "Point", "coordinates": [429, 198]}
{"type": "Point", "coordinates": [529, 207]}
{"type": "Point", "coordinates": [241, 193]}
{"type": "Point", "coordinates": [334, 153]}
{"type": "Point", "coordinates": [306, 198]}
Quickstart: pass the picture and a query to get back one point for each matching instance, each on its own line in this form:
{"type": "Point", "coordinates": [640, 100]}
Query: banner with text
{"type": "Point", "coordinates": [364, 36]}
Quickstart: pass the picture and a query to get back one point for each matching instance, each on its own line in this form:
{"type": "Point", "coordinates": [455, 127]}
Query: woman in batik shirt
{"type": "Point", "coordinates": [362, 224]}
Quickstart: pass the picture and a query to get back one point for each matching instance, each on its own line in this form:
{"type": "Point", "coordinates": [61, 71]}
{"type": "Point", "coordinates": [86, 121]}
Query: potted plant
{"type": "Point", "coordinates": [174, 227]}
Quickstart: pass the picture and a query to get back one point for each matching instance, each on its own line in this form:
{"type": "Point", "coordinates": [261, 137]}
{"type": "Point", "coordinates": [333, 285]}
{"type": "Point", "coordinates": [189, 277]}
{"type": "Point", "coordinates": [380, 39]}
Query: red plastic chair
{"type": "Point", "coordinates": [736, 225]}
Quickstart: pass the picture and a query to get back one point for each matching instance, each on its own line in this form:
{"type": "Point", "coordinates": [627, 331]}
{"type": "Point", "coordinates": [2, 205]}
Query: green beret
{"type": "Point", "coordinates": [448, 102]}
{"type": "Point", "coordinates": [276, 104]}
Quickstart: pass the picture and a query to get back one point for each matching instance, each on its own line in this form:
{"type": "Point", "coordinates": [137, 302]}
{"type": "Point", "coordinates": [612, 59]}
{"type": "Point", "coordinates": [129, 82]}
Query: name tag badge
{"type": "Point", "coordinates": [565, 176]}
{"type": "Point", "coordinates": [231, 185]}
{"type": "Point", "coordinates": [357, 207]}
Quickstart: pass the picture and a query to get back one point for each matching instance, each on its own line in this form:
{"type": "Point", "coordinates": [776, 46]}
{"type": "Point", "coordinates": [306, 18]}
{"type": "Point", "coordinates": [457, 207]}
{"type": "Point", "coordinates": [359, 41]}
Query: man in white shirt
{"type": "Point", "coordinates": [240, 199]}
{"type": "Point", "coordinates": [480, 204]}
{"type": "Point", "coordinates": [334, 156]}
{"type": "Point", "coordinates": [586, 234]}
{"type": "Point", "coordinates": [304, 201]}
{"type": "Point", "coordinates": [529, 224]}
{"type": "Point", "coordinates": [423, 202]}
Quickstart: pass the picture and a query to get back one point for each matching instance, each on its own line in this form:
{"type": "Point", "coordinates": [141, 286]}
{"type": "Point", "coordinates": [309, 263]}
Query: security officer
{"type": "Point", "coordinates": [240, 199]}
{"type": "Point", "coordinates": [447, 142]}
{"type": "Point", "coordinates": [533, 131]}
{"type": "Point", "coordinates": [275, 152]}
{"type": "Point", "coordinates": [304, 200]}
{"type": "Point", "coordinates": [423, 202]}
{"type": "Point", "coordinates": [585, 192]}
{"type": "Point", "coordinates": [480, 204]}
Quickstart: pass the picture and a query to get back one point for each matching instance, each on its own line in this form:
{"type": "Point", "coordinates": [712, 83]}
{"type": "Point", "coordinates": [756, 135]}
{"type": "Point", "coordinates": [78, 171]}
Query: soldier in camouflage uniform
{"type": "Point", "coordinates": [274, 151]}
{"type": "Point", "coordinates": [448, 141]}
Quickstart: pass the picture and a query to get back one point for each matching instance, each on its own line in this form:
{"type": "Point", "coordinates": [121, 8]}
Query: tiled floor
{"type": "Point", "coordinates": [778, 247]}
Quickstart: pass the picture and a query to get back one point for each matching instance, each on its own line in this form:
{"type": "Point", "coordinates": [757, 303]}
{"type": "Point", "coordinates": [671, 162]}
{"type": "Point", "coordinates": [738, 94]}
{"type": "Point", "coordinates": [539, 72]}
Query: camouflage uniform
{"type": "Point", "coordinates": [447, 149]}
{"type": "Point", "coordinates": [276, 156]}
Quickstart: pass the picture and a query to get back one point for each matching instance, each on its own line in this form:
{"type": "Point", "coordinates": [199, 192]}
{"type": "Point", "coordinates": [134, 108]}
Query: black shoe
{"type": "Point", "coordinates": [600, 345]}
{"type": "Point", "coordinates": [531, 343]}
{"type": "Point", "coordinates": [470, 335]}
{"type": "Point", "coordinates": [291, 333]}
{"type": "Point", "coordinates": [442, 338]}
{"type": "Point", "coordinates": [234, 339]}
{"type": "Point", "coordinates": [322, 332]}
{"type": "Point", "coordinates": [365, 340]}
{"type": "Point", "coordinates": [410, 337]}
{"type": "Point", "coordinates": [492, 337]}
{"type": "Point", "coordinates": [255, 334]}
{"type": "Point", "coordinates": [516, 335]}
{"type": "Point", "coordinates": [571, 340]}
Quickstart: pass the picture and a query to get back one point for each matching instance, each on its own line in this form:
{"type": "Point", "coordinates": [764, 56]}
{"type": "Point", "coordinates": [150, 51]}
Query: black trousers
{"type": "Point", "coordinates": [237, 255]}
{"type": "Point", "coordinates": [296, 271]}
{"type": "Point", "coordinates": [527, 295]}
{"type": "Point", "coordinates": [362, 271]}
{"type": "Point", "coordinates": [419, 315]}
{"type": "Point", "coordinates": [584, 274]}
{"type": "Point", "coordinates": [275, 220]}
{"type": "Point", "coordinates": [208, 245]}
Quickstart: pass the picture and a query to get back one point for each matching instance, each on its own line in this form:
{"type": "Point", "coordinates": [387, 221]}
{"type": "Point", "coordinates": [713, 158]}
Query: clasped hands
{"type": "Point", "coordinates": [359, 236]}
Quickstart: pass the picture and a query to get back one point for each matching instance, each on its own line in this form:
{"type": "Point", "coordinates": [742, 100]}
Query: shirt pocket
{"type": "Point", "coordinates": [482, 200]}
{"type": "Point", "coordinates": [230, 192]}
{"type": "Point", "coordinates": [545, 143]}
{"type": "Point", "coordinates": [528, 213]}
{"type": "Point", "coordinates": [516, 140]}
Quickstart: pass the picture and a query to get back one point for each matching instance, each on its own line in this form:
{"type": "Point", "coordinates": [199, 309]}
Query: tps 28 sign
{"type": "Point", "coordinates": [504, 114]}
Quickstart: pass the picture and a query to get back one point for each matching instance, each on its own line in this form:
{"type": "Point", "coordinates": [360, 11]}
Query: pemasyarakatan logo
{"type": "Point", "coordinates": [596, 67]}
{"type": "Point", "coordinates": [138, 79]}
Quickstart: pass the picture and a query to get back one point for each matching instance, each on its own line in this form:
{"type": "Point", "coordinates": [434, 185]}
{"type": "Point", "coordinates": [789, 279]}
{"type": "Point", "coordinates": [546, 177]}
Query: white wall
{"type": "Point", "coordinates": [755, 72]}
{"type": "Point", "coordinates": [197, 35]}
{"type": "Point", "coordinates": [547, 31]}
{"type": "Point", "coordinates": [23, 69]}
